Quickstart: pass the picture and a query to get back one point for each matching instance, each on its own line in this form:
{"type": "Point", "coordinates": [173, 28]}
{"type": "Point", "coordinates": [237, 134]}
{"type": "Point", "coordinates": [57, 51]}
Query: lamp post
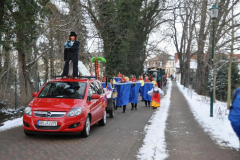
{"type": "Point", "coordinates": [214, 14]}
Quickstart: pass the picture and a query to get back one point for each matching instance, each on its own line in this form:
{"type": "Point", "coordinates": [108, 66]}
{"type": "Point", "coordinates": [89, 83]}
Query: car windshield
{"type": "Point", "coordinates": [72, 90]}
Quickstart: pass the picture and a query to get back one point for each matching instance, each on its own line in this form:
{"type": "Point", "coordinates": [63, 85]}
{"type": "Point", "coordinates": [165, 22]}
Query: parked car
{"type": "Point", "coordinates": [66, 106]}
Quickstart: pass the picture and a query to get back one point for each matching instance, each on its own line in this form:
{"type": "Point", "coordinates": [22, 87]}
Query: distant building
{"type": "Point", "coordinates": [170, 67]}
{"type": "Point", "coordinates": [164, 61]}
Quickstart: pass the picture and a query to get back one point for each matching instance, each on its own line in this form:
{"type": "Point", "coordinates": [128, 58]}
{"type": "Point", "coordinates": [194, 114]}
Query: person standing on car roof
{"type": "Point", "coordinates": [71, 53]}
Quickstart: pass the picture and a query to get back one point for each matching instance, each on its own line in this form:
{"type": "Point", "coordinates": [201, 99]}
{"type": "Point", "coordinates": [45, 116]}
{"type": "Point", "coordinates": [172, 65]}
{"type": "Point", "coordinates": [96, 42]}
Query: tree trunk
{"type": "Point", "coordinates": [51, 52]}
{"type": "Point", "coordinates": [181, 71]}
{"type": "Point", "coordinates": [201, 83]}
{"type": "Point", "coordinates": [22, 76]}
{"type": "Point", "coordinates": [2, 6]}
{"type": "Point", "coordinates": [46, 68]}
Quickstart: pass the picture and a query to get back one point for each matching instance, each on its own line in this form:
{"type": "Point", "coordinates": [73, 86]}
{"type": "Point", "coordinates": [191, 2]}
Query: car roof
{"type": "Point", "coordinates": [72, 80]}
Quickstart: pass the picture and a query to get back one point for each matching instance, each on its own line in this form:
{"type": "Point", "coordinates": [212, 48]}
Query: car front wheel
{"type": "Point", "coordinates": [86, 131]}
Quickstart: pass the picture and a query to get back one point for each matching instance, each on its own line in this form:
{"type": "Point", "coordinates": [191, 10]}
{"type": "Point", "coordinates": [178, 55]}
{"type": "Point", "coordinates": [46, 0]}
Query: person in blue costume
{"type": "Point", "coordinates": [123, 80]}
{"type": "Point", "coordinates": [133, 99]}
{"type": "Point", "coordinates": [234, 116]}
{"type": "Point", "coordinates": [147, 103]}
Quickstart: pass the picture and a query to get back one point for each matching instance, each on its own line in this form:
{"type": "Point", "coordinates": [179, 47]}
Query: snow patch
{"type": "Point", "coordinates": [12, 123]}
{"type": "Point", "coordinates": [218, 126]}
{"type": "Point", "coordinates": [154, 145]}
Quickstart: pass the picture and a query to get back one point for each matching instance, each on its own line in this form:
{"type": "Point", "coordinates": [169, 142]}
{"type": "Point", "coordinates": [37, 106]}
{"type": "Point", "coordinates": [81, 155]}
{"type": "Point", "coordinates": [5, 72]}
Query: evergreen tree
{"type": "Point", "coordinates": [124, 26]}
{"type": "Point", "coordinates": [25, 14]}
{"type": "Point", "coordinates": [222, 81]}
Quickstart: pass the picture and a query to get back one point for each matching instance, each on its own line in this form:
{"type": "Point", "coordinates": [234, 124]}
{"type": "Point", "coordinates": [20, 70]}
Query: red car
{"type": "Point", "coordinates": [66, 106]}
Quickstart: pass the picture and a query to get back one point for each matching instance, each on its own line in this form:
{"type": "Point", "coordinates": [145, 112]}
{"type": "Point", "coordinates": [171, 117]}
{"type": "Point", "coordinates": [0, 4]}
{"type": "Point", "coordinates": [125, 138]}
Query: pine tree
{"type": "Point", "coordinates": [222, 81]}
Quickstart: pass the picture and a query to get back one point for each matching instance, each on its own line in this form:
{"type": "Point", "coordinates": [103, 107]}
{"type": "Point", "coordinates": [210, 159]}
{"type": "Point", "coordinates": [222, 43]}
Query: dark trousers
{"type": "Point", "coordinates": [147, 103]}
{"type": "Point", "coordinates": [134, 105]}
{"type": "Point", "coordinates": [66, 68]}
{"type": "Point", "coordinates": [124, 108]}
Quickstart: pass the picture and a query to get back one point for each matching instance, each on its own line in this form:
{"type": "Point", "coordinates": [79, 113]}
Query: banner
{"type": "Point", "coordinates": [147, 87]}
{"type": "Point", "coordinates": [123, 90]}
{"type": "Point", "coordinates": [134, 92]}
{"type": "Point", "coordinates": [117, 79]}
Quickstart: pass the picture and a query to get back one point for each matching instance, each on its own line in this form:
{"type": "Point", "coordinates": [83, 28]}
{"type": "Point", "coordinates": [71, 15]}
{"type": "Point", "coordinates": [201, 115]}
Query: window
{"type": "Point", "coordinates": [161, 63]}
{"type": "Point", "coordinates": [95, 88]}
{"type": "Point", "coordinates": [167, 70]}
{"type": "Point", "coordinates": [70, 90]}
{"type": "Point", "coordinates": [91, 90]}
{"type": "Point", "coordinates": [154, 64]}
{"type": "Point", "coordinates": [99, 88]}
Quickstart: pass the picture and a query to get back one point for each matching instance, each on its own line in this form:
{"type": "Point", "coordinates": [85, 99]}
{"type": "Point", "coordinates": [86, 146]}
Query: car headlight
{"type": "Point", "coordinates": [28, 111]}
{"type": "Point", "coordinates": [75, 112]}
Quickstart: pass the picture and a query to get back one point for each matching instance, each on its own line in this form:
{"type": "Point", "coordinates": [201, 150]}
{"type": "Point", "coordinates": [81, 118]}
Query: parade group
{"type": "Point", "coordinates": [127, 90]}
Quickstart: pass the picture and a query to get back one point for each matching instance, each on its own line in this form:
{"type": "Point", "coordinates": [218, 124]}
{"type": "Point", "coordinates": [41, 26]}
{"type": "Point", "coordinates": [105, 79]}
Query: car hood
{"type": "Point", "coordinates": [55, 104]}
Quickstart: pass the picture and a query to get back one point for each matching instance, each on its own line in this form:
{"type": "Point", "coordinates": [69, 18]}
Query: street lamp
{"type": "Point", "coordinates": [214, 14]}
{"type": "Point", "coordinates": [214, 11]}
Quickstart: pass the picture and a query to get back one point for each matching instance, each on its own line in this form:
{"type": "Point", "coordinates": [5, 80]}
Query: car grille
{"type": "Point", "coordinates": [49, 114]}
{"type": "Point", "coordinates": [47, 127]}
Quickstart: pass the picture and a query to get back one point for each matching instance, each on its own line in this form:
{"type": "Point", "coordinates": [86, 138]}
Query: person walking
{"type": "Point", "coordinates": [71, 53]}
{"type": "Point", "coordinates": [133, 99]}
{"type": "Point", "coordinates": [155, 93]}
{"type": "Point", "coordinates": [147, 103]}
{"type": "Point", "coordinates": [123, 80]}
{"type": "Point", "coordinates": [234, 115]}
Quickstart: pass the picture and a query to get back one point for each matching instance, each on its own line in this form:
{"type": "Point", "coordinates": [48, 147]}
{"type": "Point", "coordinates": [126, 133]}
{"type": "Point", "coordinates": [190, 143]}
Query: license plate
{"type": "Point", "coordinates": [47, 123]}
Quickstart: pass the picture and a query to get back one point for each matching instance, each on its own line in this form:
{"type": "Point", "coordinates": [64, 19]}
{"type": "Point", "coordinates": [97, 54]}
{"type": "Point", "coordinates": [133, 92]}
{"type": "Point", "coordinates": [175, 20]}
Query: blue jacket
{"type": "Point", "coordinates": [234, 115]}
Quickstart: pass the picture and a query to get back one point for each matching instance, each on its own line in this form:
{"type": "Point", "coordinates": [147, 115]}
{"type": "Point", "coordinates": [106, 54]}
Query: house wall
{"type": "Point", "coordinates": [170, 68]}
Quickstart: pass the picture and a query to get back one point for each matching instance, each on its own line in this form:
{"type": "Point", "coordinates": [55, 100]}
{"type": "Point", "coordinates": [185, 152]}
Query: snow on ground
{"type": "Point", "coordinates": [12, 123]}
{"type": "Point", "coordinates": [154, 145]}
{"type": "Point", "coordinates": [218, 126]}
{"type": "Point", "coordinates": [10, 111]}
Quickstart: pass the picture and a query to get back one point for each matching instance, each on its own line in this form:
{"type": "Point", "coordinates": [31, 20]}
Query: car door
{"type": "Point", "coordinates": [92, 103]}
{"type": "Point", "coordinates": [99, 102]}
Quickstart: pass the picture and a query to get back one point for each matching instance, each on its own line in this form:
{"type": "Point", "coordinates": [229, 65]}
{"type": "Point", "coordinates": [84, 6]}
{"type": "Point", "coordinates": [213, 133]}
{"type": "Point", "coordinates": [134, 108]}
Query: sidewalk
{"type": "Point", "coordinates": [186, 140]}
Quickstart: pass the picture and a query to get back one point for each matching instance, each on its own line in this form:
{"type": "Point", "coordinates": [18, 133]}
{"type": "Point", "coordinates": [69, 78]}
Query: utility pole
{"type": "Point", "coordinates": [214, 14]}
{"type": "Point", "coordinates": [230, 66]}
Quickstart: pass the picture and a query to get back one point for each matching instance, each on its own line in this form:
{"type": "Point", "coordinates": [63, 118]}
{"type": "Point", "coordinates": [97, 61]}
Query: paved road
{"type": "Point", "coordinates": [185, 139]}
{"type": "Point", "coordinates": [119, 139]}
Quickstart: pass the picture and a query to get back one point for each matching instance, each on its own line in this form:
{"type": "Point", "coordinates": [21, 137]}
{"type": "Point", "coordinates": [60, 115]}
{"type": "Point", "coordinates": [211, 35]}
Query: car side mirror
{"type": "Point", "coordinates": [34, 94]}
{"type": "Point", "coordinates": [95, 96]}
